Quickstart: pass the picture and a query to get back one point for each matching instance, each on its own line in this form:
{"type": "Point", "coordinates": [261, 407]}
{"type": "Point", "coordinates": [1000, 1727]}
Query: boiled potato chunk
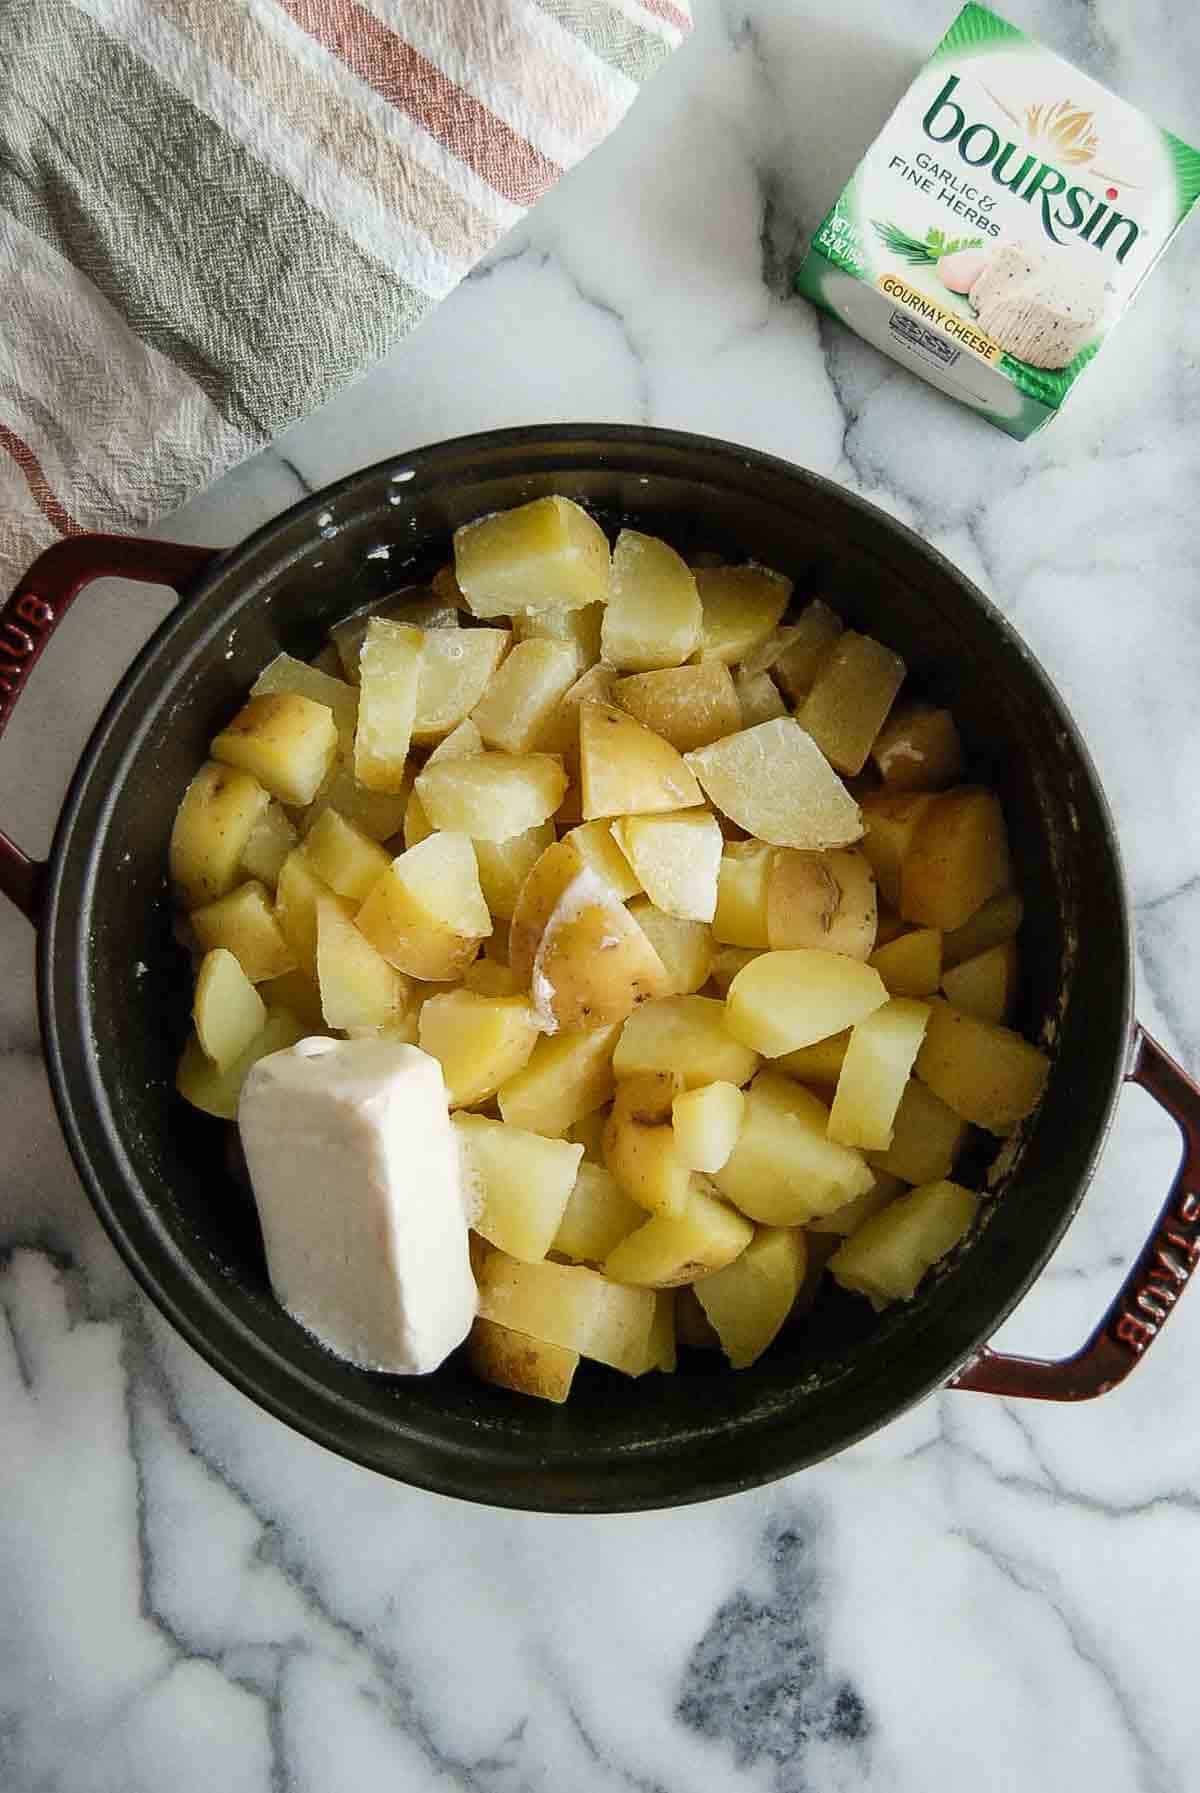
{"type": "Point", "coordinates": [580, 629]}
{"type": "Point", "coordinates": [296, 896]}
{"type": "Point", "coordinates": [750, 1299]}
{"type": "Point", "coordinates": [504, 866]}
{"type": "Point", "coordinates": [417, 826]}
{"type": "Point", "coordinates": [887, 1257]}
{"type": "Point", "coordinates": [596, 847]}
{"type": "Point", "coordinates": [526, 1366]}
{"type": "Point", "coordinates": [819, 1063]}
{"type": "Point", "coordinates": [521, 1182]}
{"type": "Point", "coordinates": [926, 1138]}
{"type": "Point", "coordinates": [270, 841]}
{"type": "Point", "coordinates": [245, 925]}
{"type": "Point", "coordinates": [891, 825]}
{"type": "Point", "coordinates": [358, 987]}
{"type": "Point", "coordinates": [343, 857]}
{"type": "Point", "coordinates": [389, 677]}
{"type": "Point", "coordinates": [740, 607]}
{"type": "Point", "coordinates": [492, 796]}
{"type": "Point", "coordinates": [588, 1132]}
{"type": "Point", "coordinates": [685, 947]}
{"type": "Point", "coordinates": [299, 996]}
{"type": "Point", "coordinates": [427, 915]}
{"type": "Point", "coordinates": [378, 813]}
{"type": "Point", "coordinates": [671, 1249]}
{"type": "Point", "coordinates": [689, 706]}
{"type": "Point", "coordinates": [213, 825]}
{"type": "Point", "coordinates": [997, 921]}
{"type": "Point", "coordinates": [822, 899]}
{"type": "Point", "coordinates": [774, 781]}
{"type": "Point", "coordinates": [653, 615]}
{"type": "Point", "coordinates": [639, 1143]}
{"type": "Point", "coordinates": [811, 637]}
{"type": "Point", "coordinates": [987, 1074]}
{"type": "Point", "coordinates": [918, 749]}
{"type": "Point", "coordinates": [660, 1348]}
{"type": "Point", "coordinates": [488, 979]}
{"type": "Point", "coordinates": [455, 667]}
{"type": "Point", "coordinates": [986, 985]}
{"type": "Point", "coordinates": [707, 1122]}
{"type": "Point", "coordinates": [784, 1169]}
{"type": "Point", "coordinates": [568, 1077]}
{"type": "Point", "coordinates": [687, 1035]}
{"type": "Point", "coordinates": [759, 699]}
{"type": "Point", "coordinates": [625, 769]}
{"type": "Point", "coordinates": [742, 883]}
{"type": "Point", "coordinates": [727, 961]}
{"type": "Point", "coordinates": [560, 734]}
{"type": "Point", "coordinates": [460, 744]}
{"type": "Point", "coordinates": [843, 1222]}
{"type": "Point", "coordinates": [479, 1041]}
{"type": "Point", "coordinates": [285, 674]}
{"type": "Point", "coordinates": [853, 691]}
{"type": "Point", "coordinates": [541, 555]}
{"type": "Point", "coordinates": [288, 742]}
{"type": "Point", "coordinates": [228, 1010]}
{"type": "Point", "coordinates": [522, 697]}
{"type": "Point", "coordinates": [783, 1000]}
{"type": "Point", "coordinates": [597, 1217]}
{"type": "Point", "coordinates": [676, 858]}
{"type": "Point", "coordinates": [419, 607]}
{"type": "Point", "coordinates": [571, 1306]}
{"type": "Point", "coordinates": [911, 964]}
{"type": "Point", "coordinates": [957, 860]}
{"type": "Point", "coordinates": [875, 1071]}
{"type": "Point", "coordinates": [692, 1326]}
{"type": "Point", "coordinates": [216, 1092]}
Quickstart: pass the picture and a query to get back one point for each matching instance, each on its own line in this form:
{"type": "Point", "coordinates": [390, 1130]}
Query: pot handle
{"type": "Point", "coordinates": [30, 617]}
{"type": "Point", "coordinates": [1144, 1302]}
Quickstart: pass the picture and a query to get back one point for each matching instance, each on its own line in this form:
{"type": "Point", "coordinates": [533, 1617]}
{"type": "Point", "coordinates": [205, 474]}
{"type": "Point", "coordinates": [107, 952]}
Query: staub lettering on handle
{"type": "Point", "coordinates": [1166, 1266]}
{"type": "Point", "coordinates": [22, 636]}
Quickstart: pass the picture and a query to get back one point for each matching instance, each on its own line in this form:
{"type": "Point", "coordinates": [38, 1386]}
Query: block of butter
{"type": "Point", "coordinates": [1000, 223]}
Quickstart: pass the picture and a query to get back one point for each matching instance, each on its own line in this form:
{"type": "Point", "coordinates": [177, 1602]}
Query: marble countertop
{"type": "Point", "coordinates": [986, 1594]}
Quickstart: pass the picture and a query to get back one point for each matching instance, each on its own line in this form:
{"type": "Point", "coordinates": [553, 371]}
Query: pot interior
{"type": "Point", "coordinates": [116, 990]}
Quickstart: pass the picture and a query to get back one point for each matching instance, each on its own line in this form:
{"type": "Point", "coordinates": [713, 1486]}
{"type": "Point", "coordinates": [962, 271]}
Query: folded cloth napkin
{"type": "Point", "coordinates": [215, 212]}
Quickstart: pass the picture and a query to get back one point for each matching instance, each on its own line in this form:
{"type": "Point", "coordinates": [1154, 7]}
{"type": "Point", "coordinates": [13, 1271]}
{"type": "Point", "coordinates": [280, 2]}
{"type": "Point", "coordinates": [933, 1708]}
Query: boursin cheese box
{"type": "Point", "coordinates": [1000, 223]}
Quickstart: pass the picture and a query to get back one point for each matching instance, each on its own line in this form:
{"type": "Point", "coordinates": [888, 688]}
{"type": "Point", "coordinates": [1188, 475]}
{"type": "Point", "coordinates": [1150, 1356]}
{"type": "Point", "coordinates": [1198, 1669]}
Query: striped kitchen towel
{"type": "Point", "coordinates": [215, 212]}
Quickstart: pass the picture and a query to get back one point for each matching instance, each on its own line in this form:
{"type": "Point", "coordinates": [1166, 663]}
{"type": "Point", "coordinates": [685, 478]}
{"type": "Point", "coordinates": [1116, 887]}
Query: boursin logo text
{"type": "Point", "coordinates": [1068, 208]}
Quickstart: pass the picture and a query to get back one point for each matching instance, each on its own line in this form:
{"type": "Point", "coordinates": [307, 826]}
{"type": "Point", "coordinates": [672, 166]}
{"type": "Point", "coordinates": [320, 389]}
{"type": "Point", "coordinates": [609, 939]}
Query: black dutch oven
{"type": "Point", "coordinates": [114, 997]}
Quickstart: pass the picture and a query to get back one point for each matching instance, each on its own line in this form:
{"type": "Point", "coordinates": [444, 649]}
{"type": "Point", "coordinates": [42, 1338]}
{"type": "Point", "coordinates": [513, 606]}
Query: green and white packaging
{"type": "Point", "coordinates": [1000, 223]}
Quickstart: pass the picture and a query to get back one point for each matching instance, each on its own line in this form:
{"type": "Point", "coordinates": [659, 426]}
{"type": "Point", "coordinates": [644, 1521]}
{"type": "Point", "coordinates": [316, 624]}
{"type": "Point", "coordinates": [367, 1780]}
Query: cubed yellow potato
{"type": "Point", "coordinates": [523, 695]}
{"type": "Point", "coordinates": [814, 633]}
{"type": "Point", "coordinates": [418, 606]}
{"type": "Point", "coordinates": [855, 687]}
{"type": "Point", "coordinates": [379, 814]}
{"type": "Point", "coordinates": [689, 706]}
{"type": "Point", "coordinates": [748, 1302]}
{"type": "Point", "coordinates": [927, 1138]}
{"type": "Point", "coordinates": [588, 1131]}
{"type": "Point", "coordinates": [541, 555]}
{"type": "Point", "coordinates": [652, 619]}
{"type": "Point", "coordinates": [427, 915]}
{"type": "Point", "coordinates": [676, 858]}
{"type": "Point", "coordinates": [670, 1249]}
{"type": "Point", "coordinates": [518, 1182]}
{"type": "Point", "coordinates": [244, 924]}
{"type": "Point", "coordinates": [741, 913]}
{"type": "Point", "coordinates": [911, 964]}
{"type": "Point", "coordinates": [727, 961]}
{"type": "Point", "coordinates": [685, 947]}
{"type": "Point", "coordinates": [882, 1049]}
{"type": "Point", "coordinates": [568, 1076]}
{"type": "Point", "coordinates": [762, 658]}
{"type": "Point", "coordinates": [660, 1348]}
{"type": "Point", "coordinates": [997, 921]}
{"type": "Point", "coordinates": [296, 896]}
{"type": "Point", "coordinates": [343, 857]}
{"type": "Point", "coordinates": [504, 866]}
{"type": "Point", "coordinates": [825, 900]}
{"type": "Point", "coordinates": [598, 1215]}
{"type": "Point", "coordinates": [639, 1144]}
{"type": "Point", "coordinates": [707, 1122]}
{"type": "Point", "coordinates": [891, 823]}
{"type": "Point", "coordinates": [774, 781]}
{"type": "Point", "coordinates": [692, 1326]}
{"type": "Point", "coordinates": [417, 826]}
{"type": "Point", "coordinates": [479, 1041]}
{"type": "Point", "coordinates": [228, 1011]}
{"type": "Point", "coordinates": [288, 742]}
{"type": "Point", "coordinates": [844, 1222]}
{"type": "Point", "coordinates": [455, 668]}
{"type": "Point", "coordinates": [270, 841]}
{"type": "Point", "coordinates": [487, 979]}
{"type": "Point", "coordinates": [758, 699]}
{"type": "Point", "coordinates": [216, 1092]}
{"type": "Point", "coordinates": [687, 1034]}
{"type": "Point", "coordinates": [740, 607]}
{"type": "Point", "coordinates": [389, 675]}
{"type": "Point", "coordinates": [597, 848]}
{"type": "Point", "coordinates": [492, 796]}
{"type": "Point", "coordinates": [987, 1074]}
{"type": "Point", "coordinates": [358, 987]}
{"type": "Point", "coordinates": [298, 995]}
{"type": "Point", "coordinates": [985, 986]}
{"type": "Point", "coordinates": [957, 860]}
{"type": "Point", "coordinates": [784, 1169]}
{"type": "Point", "coordinates": [569, 1305]}
{"type": "Point", "coordinates": [580, 629]}
{"type": "Point", "coordinates": [887, 1257]}
{"type": "Point", "coordinates": [213, 825]}
{"type": "Point", "coordinates": [918, 749]}
{"type": "Point", "coordinates": [560, 733]}
{"type": "Point", "coordinates": [525, 1366]}
{"type": "Point", "coordinates": [284, 674]}
{"type": "Point", "coordinates": [783, 1000]}
{"type": "Point", "coordinates": [820, 1063]}
{"type": "Point", "coordinates": [625, 769]}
